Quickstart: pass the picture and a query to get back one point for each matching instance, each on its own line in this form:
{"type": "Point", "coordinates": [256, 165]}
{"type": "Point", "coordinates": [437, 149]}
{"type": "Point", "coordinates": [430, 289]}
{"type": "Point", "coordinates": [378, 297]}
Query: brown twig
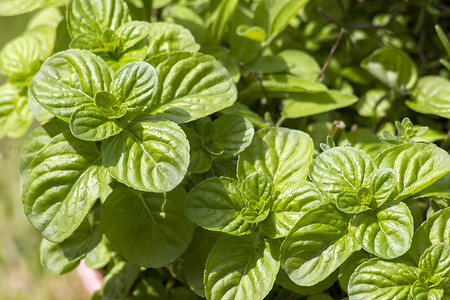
{"type": "Point", "coordinates": [333, 49]}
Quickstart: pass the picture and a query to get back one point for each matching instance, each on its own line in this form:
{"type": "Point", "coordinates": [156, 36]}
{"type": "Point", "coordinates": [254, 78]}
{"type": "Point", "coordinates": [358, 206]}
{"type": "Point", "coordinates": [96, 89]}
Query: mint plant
{"type": "Point", "coordinates": [235, 149]}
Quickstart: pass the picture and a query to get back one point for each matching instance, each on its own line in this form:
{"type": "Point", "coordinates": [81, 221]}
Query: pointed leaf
{"type": "Point", "coordinates": [190, 86]}
{"type": "Point", "coordinates": [168, 38]}
{"type": "Point", "coordinates": [216, 204]}
{"type": "Point", "coordinates": [257, 196]}
{"type": "Point", "coordinates": [317, 245]}
{"type": "Point", "coordinates": [61, 186]}
{"type": "Point", "coordinates": [153, 230]}
{"type": "Point", "coordinates": [69, 80]}
{"type": "Point", "coordinates": [109, 106]}
{"type": "Point", "coordinates": [289, 205]}
{"type": "Point", "coordinates": [241, 268]}
{"type": "Point", "coordinates": [284, 154]}
{"type": "Point", "coordinates": [135, 84]}
{"type": "Point", "coordinates": [150, 154]}
{"type": "Point", "coordinates": [386, 232]}
{"type": "Point", "coordinates": [383, 280]}
{"type": "Point", "coordinates": [417, 165]}
{"type": "Point", "coordinates": [381, 184]}
{"type": "Point", "coordinates": [89, 124]}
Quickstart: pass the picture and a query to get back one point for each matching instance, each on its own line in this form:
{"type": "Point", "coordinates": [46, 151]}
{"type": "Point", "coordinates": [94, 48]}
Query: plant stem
{"type": "Point", "coordinates": [333, 49]}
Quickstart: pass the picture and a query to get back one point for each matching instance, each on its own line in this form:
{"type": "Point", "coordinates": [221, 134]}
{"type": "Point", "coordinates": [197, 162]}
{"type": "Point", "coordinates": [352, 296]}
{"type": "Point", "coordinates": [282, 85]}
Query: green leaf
{"type": "Point", "coordinates": [235, 133]}
{"type": "Point", "coordinates": [425, 89]}
{"type": "Point", "coordinates": [18, 7]}
{"type": "Point", "coordinates": [194, 259]}
{"type": "Point", "coordinates": [100, 256]}
{"type": "Point", "coordinates": [153, 229]}
{"type": "Point", "coordinates": [64, 257]}
{"type": "Point", "coordinates": [15, 116]}
{"type": "Point", "coordinates": [392, 67]}
{"type": "Point", "coordinates": [254, 33]}
{"type": "Point", "coordinates": [220, 19]}
{"type": "Point", "coordinates": [317, 245]}
{"type": "Point", "coordinates": [200, 158]}
{"type": "Point", "coordinates": [439, 104]}
{"type": "Point", "coordinates": [300, 64]}
{"type": "Point", "coordinates": [134, 85]}
{"type": "Point", "coordinates": [383, 280]}
{"type": "Point", "coordinates": [62, 184]}
{"type": "Point", "coordinates": [132, 33]}
{"type": "Point", "coordinates": [69, 80]}
{"type": "Point", "coordinates": [188, 18]}
{"type": "Point", "coordinates": [307, 104]}
{"type": "Point", "coordinates": [21, 58]}
{"type": "Point", "coordinates": [190, 86]}
{"type": "Point", "coordinates": [119, 281]}
{"type": "Point", "coordinates": [349, 266]}
{"type": "Point", "coordinates": [257, 196]}
{"type": "Point", "coordinates": [443, 38]}
{"type": "Point", "coordinates": [150, 154]}
{"type": "Point", "coordinates": [283, 154]}
{"type": "Point", "coordinates": [109, 106]}
{"type": "Point", "coordinates": [89, 124]}
{"type": "Point", "coordinates": [435, 230]}
{"type": "Point", "coordinates": [94, 17]}
{"type": "Point", "coordinates": [341, 169]}
{"type": "Point", "coordinates": [274, 15]}
{"type": "Point", "coordinates": [37, 140]}
{"type": "Point", "coordinates": [216, 204]}
{"type": "Point", "coordinates": [435, 263]}
{"type": "Point", "coordinates": [289, 205]}
{"type": "Point", "coordinates": [284, 280]}
{"type": "Point", "coordinates": [417, 166]}
{"type": "Point", "coordinates": [241, 268]}
{"type": "Point", "coordinates": [386, 232]}
{"type": "Point", "coordinates": [381, 184]}
{"type": "Point", "coordinates": [169, 38]}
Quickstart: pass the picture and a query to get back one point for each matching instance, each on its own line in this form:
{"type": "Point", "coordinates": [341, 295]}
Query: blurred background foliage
{"type": "Point", "coordinates": [21, 275]}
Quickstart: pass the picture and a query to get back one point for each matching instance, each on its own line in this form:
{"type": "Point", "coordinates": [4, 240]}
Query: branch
{"type": "Point", "coordinates": [333, 49]}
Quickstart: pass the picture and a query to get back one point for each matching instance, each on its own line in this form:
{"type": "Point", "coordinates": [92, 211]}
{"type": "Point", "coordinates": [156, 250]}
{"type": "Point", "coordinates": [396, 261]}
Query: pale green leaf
{"type": "Point", "coordinates": [94, 17]}
{"type": "Point", "coordinates": [289, 205]}
{"type": "Point", "coordinates": [417, 165]}
{"type": "Point", "coordinates": [168, 38]}
{"type": "Point", "coordinates": [439, 104]}
{"type": "Point", "coordinates": [284, 280]}
{"type": "Point", "coordinates": [132, 33]}
{"type": "Point", "coordinates": [150, 154]}
{"type": "Point", "coordinates": [88, 123]}
{"type": "Point", "coordinates": [386, 232]}
{"type": "Point", "coordinates": [435, 261]}
{"type": "Point", "coordinates": [307, 104]}
{"type": "Point", "coordinates": [425, 89]}
{"type": "Point", "coordinates": [317, 245]}
{"type": "Point", "coordinates": [274, 15]}
{"type": "Point", "coordinates": [241, 268]}
{"type": "Point", "coordinates": [435, 230]}
{"type": "Point", "coordinates": [382, 280]}
{"type": "Point", "coordinates": [100, 256]}
{"type": "Point", "coordinates": [190, 86]}
{"type": "Point", "coordinates": [216, 204]}
{"type": "Point", "coordinates": [62, 184]}
{"type": "Point", "coordinates": [300, 64]}
{"type": "Point", "coordinates": [69, 80]}
{"type": "Point", "coordinates": [349, 266]}
{"type": "Point", "coordinates": [341, 169]}
{"type": "Point", "coordinates": [153, 229]}
{"type": "Point", "coordinates": [235, 133]}
{"type": "Point", "coordinates": [284, 154]}
{"type": "Point", "coordinates": [134, 85]}
{"type": "Point", "coordinates": [254, 33]}
{"type": "Point", "coordinates": [15, 116]}
{"type": "Point", "coordinates": [188, 18]}
{"type": "Point", "coordinates": [37, 140]}
{"type": "Point", "coordinates": [220, 19]}
{"type": "Point", "coordinates": [257, 196]}
{"type": "Point", "coordinates": [381, 184]}
{"type": "Point", "coordinates": [109, 106]}
{"type": "Point", "coordinates": [18, 7]}
{"type": "Point", "coordinates": [392, 67]}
